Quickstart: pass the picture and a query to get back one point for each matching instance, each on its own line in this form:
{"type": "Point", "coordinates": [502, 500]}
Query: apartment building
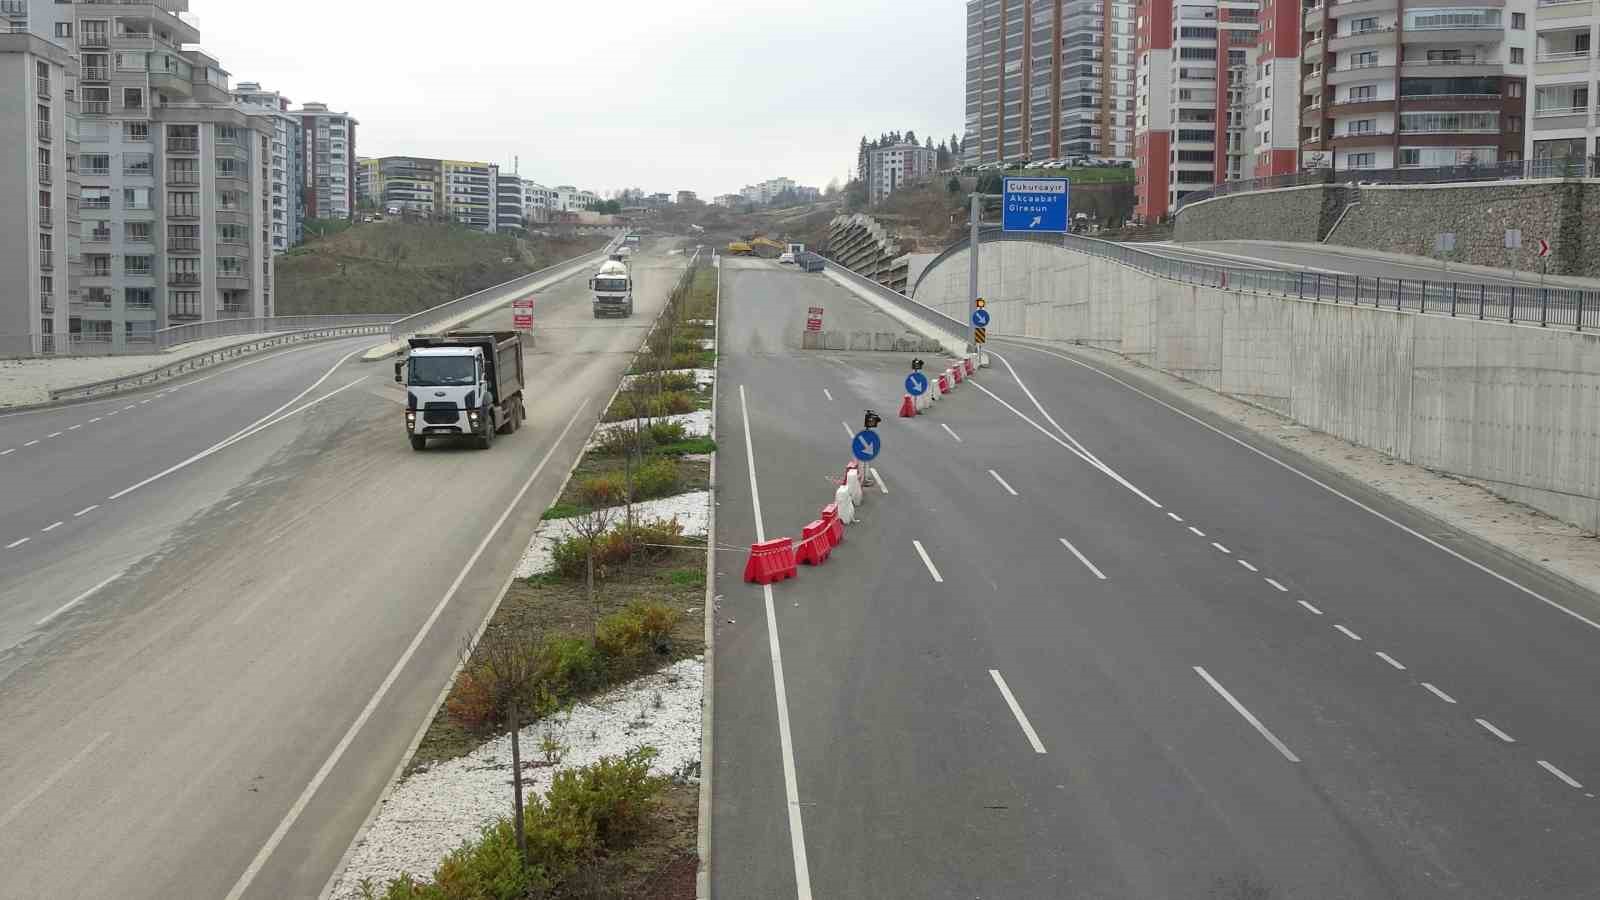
{"type": "Point", "coordinates": [1386, 85]}
{"type": "Point", "coordinates": [538, 201]}
{"type": "Point", "coordinates": [890, 167]}
{"type": "Point", "coordinates": [509, 202]}
{"type": "Point", "coordinates": [468, 192]}
{"type": "Point", "coordinates": [285, 184]}
{"type": "Point", "coordinates": [329, 161]}
{"type": "Point", "coordinates": [410, 183]}
{"type": "Point", "coordinates": [570, 199]}
{"type": "Point", "coordinates": [1274, 109]}
{"type": "Point", "coordinates": [1564, 84]}
{"type": "Point", "coordinates": [1048, 79]}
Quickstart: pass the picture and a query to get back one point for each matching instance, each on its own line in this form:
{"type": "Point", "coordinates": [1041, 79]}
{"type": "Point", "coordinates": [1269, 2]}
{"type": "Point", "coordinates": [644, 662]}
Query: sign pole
{"type": "Point", "coordinates": [972, 265]}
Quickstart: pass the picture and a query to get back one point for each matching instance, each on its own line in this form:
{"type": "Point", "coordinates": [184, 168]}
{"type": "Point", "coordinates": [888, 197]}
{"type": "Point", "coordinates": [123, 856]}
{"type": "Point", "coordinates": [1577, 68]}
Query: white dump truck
{"type": "Point", "coordinates": [613, 289]}
{"type": "Point", "coordinates": [462, 384]}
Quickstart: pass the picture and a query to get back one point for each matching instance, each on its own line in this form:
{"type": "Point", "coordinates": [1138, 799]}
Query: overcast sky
{"type": "Point", "coordinates": [662, 95]}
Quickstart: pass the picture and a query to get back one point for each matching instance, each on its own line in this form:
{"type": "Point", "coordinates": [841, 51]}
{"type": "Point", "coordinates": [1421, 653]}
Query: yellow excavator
{"type": "Point", "coordinates": [740, 248]}
{"type": "Point", "coordinates": [766, 247]}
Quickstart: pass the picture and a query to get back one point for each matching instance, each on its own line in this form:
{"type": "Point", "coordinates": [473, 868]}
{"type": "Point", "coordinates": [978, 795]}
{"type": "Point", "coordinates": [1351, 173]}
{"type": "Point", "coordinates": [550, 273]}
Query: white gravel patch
{"type": "Point", "coordinates": [695, 424]}
{"type": "Point", "coordinates": [692, 510]}
{"type": "Point", "coordinates": [708, 343]}
{"type": "Point", "coordinates": [435, 810]}
{"type": "Point", "coordinates": [702, 377]}
{"type": "Point", "coordinates": [26, 381]}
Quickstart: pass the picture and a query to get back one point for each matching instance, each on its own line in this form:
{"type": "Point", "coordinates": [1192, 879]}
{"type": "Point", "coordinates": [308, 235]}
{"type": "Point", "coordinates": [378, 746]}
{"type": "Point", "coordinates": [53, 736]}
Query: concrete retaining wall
{"type": "Point", "coordinates": [1515, 407]}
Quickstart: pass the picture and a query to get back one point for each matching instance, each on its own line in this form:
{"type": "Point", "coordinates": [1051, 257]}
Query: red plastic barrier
{"type": "Point", "coordinates": [967, 364]}
{"type": "Point", "coordinates": [830, 516]}
{"type": "Point", "coordinates": [814, 544]}
{"type": "Point", "coordinates": [944, 385]}
{"type": "Point", "coordinates": [960, 374]}
{"type": "Point", "coordinates": [908, 407]}
{"type": "Point", "coordinates": [771, 561]}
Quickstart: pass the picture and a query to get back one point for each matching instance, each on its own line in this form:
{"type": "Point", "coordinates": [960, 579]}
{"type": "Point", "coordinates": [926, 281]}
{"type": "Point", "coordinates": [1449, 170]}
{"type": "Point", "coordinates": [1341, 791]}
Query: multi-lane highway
{"type": "Point", "coordinates": [227, 604]}
{"type": "Point", "coordinates": [1087, 642]}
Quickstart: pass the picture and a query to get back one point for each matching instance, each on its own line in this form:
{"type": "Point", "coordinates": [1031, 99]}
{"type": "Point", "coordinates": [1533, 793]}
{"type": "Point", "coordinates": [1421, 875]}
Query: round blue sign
{"type": "Point", "coordinates": [916, 384]}
{"type": "Point", "coordinates": [980, 318]}
{"type": "Point", "coordinates": [865, 445]}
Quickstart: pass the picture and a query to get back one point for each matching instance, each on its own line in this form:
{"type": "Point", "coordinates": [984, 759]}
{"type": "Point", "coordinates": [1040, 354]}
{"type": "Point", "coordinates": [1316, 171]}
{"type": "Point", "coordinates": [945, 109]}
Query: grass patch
{"type": "Point", "coordinates": [685, 447]}
{"type": "Point", "coordinates": [692, 475]}
{"type": "Point", "coordinates": [633, 404]}
{"type": "Point", "coordinates": [690, 577]}
{"type": "Point", "coordinates": [563, 511]}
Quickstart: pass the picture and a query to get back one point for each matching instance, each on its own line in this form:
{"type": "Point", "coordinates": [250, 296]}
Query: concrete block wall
{"type": "Point", "coordinates": [1514, 407]}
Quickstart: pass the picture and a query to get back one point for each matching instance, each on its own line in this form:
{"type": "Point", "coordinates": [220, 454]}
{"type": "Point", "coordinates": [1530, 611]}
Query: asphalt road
{"type": "Point", "coordinates": [1142, 656]}
{"type": "Point", "coordinates": [219, 717]}
{"type": "Point", "coordinates": [1330, 259]}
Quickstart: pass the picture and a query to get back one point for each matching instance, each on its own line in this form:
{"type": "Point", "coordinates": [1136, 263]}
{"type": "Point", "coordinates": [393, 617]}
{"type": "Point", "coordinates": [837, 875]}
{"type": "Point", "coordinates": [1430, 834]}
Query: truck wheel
{"type": "Point", "coordinates": [419, 442]}
{"type": "Point", "coordinates": [486, 440]}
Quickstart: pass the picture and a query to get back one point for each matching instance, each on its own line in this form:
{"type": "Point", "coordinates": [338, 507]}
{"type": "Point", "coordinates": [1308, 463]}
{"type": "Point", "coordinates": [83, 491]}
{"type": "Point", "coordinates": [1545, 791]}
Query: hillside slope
{"type": "Point", "coordinates": [403, 267]}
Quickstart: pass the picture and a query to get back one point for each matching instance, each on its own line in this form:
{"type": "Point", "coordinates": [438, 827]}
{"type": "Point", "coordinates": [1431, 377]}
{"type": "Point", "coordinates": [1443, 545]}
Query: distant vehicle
{"type": "Point", "coordinates": [394, 210]}
{"type": "Point", "coordinates": [1013, 167]}
{"type": "Point", "coordinates": [630, 240]}
{"type": "Point", "coordinates": [1125, 164]}
{"type": "Point", "coordinates": [462, 384]}
{"type": "Point", "coordinates": [698, 229]}
{"type": "Point", "coordinates": [613, 289]}
{"type": "Point", "coordinates": [624, 251]}
{"type": "Point", "coordinates": [740, 248]}
{"type": "Point", "coordinates": [786, 258]}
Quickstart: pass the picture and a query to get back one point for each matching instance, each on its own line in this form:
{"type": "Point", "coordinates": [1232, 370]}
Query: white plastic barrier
{"type": "Point", "coordinates": [847, 508]}
{"type": "Point", "coordinates": [852, 482]}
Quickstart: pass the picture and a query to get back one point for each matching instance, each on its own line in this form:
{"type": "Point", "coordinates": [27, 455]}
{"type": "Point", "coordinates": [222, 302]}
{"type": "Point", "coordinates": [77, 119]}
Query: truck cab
{"type": "Point", "coordinates": [613, 290]}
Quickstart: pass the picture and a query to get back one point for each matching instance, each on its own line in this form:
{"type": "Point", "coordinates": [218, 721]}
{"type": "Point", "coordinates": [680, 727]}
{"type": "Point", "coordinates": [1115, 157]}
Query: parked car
{"type": "Point", "coordinates": [786, 258]}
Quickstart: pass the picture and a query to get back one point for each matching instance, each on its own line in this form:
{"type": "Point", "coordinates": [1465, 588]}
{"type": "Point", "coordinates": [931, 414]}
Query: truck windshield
{"type": "Point", "coordinates": [611, 285]}
{"type": "Point", "coordinates": [436, 371]}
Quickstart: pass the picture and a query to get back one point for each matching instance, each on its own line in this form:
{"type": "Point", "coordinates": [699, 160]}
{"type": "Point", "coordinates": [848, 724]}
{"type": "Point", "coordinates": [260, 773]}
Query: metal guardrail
{"type": "Point", "coordinates": [1528, 304]}
{"type": "Point", "coordinates": [173, 336]}
{"type": "Point", "coordinates": [955, 329]}
{"type": "Point", "coordinates": [1576, 167]}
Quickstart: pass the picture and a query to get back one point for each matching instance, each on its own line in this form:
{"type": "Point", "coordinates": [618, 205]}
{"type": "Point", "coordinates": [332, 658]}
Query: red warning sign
{"type": "Point", "coordinates": [814, 318]}
{"type": "Point", "coordinates": [522, 313]}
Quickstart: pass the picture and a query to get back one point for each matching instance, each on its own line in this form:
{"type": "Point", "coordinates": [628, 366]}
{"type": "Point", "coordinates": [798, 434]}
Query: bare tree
{"type": "Point", "coordinates": [591, 528]}
{"type": "Point", "coordinates": [506, 659]}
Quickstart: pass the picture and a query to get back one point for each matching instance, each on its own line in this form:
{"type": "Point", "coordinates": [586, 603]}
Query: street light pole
{"type": "Point", "coordinates": [972, 266]}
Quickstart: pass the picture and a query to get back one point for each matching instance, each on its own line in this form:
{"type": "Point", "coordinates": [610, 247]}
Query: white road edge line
{"type": "Point", "coordinates": [928, 562]}
{"type": "Point", "coordinates": [791, 786]}
{"type": "Point", "coordinates": [86, 510]}
{"type": "Point", "coordinates": [948, 431]}
{"type": "Point", "coordinates": [1348, 633]}
{"type": "Point", "coordinates": [1311, 609]}
{"type": "Point", "coordinates": [878, 477]}
{"type": "Point", "coordinates": [1246, 564]}
{"type": "Point", "coordinates": [1331, 489]}
{"type": "Point", "coordinates": [1248, 716]}
{"type": "Point", "coordinates": [1009, 489]}
{"type": "Point", "coordinates": [76, 600]}
{"type": "Point", "coordinates": [1276, 585]}
{"type": "Point", "coordinates": [50, 782]}
{"type": "Point", "coordinates": [1489, 727]}
{"type": "Point", "coordinates": [1016, 710]}
{"type": "Point", "coordinates": [1083, 559]}
{"type": "Point", "coordinates": [1438, 693]}
{"type": "Point", "coordinates": [1568, 779]}
{"type": "Point", "coordinates": [300, 803]}
{"type": "Point", "coordinates": [1391, 660]}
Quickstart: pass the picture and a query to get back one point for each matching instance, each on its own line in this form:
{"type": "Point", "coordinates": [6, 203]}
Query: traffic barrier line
{"type": "Point", "coordinates": [815, 545]}
{"type": "Point", "coordinates": [771, 561]}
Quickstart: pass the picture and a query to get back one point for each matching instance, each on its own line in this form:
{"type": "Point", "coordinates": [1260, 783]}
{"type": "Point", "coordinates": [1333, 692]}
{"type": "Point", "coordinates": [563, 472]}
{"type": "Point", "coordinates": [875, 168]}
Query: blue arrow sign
{"type": "Point", "coordinates": [1035, 204]}
{"type": "Point", "coordinates": [916, 384]}
{"type": "Point", "coordinates": [865, 445]}
{"type": "Point", "coordinates": [980, 318]}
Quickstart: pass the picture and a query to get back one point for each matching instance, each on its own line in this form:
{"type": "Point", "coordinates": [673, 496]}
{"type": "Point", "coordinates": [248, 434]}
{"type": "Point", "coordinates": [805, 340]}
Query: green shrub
{"type": "Point", "coordinates": [569, 665]}
{"type": "Point", "coordinates": [656, 478]}
{"type": "Point", "coordinates": [691, 445]}
{"type": "Point", "coordinates": [628, 638]}
{"type": "Point", "coordinates": [618, 439]}
{"type": "Point", "coordinates": [689, 360]}
{"type": "Point", "coordinates": [631, 405]}
{"type": "Point", "coordinates": [616, 794]}
{"type": "Point", "coordinates": [616, 546]}
{"type": "Point", "coordinates": [602, 490]}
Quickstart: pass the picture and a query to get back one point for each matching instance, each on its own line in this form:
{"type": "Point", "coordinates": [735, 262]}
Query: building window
{"type": "Point", "coordinates": [1364, 92]}
{"type": "Point", "coordinates": [1363, 126]}
{"type": "Point", "coordinates": [1513, 124]}
{"type": "Point", "coordinates": [133, 98]}
{"type": "Point", "coordinates": [1517, 54]}
{"type": "Point", "coordinates": [63, 29]}
{"type": "Point", "coordinates": [1360, 160]}
{"type": "Point", "coordinates": [1519, 21]}
{"type": "Point", "coordinates": [1513, 89]}
{"type": "Point", "coordinates": [136, 131]}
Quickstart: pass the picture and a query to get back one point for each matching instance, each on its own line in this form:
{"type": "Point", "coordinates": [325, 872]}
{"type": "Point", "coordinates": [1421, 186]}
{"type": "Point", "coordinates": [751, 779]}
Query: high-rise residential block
{"type": "Point", "coordinates": [329, 161]}
{"type": "Point", "coordinates": [1274, 107]}
{"type": "Point", "coordinates": [469, 192]}
{"type": "Point", "coordinates": [890, 167]}
{"type": "Point", "coordinates": [285, 173]}
{"type": "Point", "coordinates": [1565, 84]}
{"type": "Point", "coordinates": [1049, 79]}
{"type": "Point", "coordinates": [509, 203]}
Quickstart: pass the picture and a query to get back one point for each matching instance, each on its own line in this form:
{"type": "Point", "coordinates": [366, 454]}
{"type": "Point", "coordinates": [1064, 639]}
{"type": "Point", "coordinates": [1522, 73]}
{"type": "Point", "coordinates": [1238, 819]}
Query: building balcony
{"type": "Point", "coordinates": [1362, 72]}
{"type": "Point", "coordinates": [1464, 67]}
{"type": "Point", "coordinates": [1451, 101]}
{"type": "Point", "coordinates": [237, 181]}
{"type": "Point", "coordinates": [1314, 50]}
{"type": "Point", "coordinates": [183, 279]}
{"type": "Point", "coordinates": [95, 108]}
{"type": "Point", "coordinates": [233, 281]}
{"type": "Point", "coordinates": [93, 41]}
{"type": "Point", "coordinates": [183, 179]}
{"type": "Point", "coordinates": [233, 216]}
{"type": "Point", "coordinates": [47, 260]}
{"type": "Point", "coordinates": [97, 236]}
{"type": "Point", "coordinates": [1548, 111]}
{"type": "Point", "coordinates": [183, 213]}
{"type": "Point", "coordinates": [1355, 107]}
{"type": "Point", "coordinates": [169, 83]}
{"type": "Point", "coordinates": [183, 245]}
{"type": "Point", "coordinates": [95, 74]}
{"type": "Point", "coordinates": [1359, 40]}
{"type": "Point", "coordinates": [1567, 62]}
{"type": "Point", "coordinates": [1456, 35]}
{"type": "Point", "coordinates": [46, 217]}
{"type": "Point", "coordinates": [1551, 10]}
{"type": "Point", "coordinates": [185, 145]}
{"type": "Point", "coordinates": [184, 315]}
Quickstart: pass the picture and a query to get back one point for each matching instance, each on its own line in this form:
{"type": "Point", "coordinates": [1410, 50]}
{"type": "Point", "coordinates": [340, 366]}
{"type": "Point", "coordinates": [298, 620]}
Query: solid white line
{"type": "Point", "coordinates": [1391, 660]}
{"type": "Point", "coordinates": [86, 510]}
{"type": "Point", "coordinates": [1220, 547]}
{"type": "Point", "coordinates": [1174, 517]}
{"type": "Point", "coordinates": [51, 527]}
{"type": "Point", "coordinates": [1570, 781]}
{"type": "Point", "coordinates": [74, 427]}
{"type": "Point", "coordinates": [1248, 716]}
{"type": "Point", "coordinates": [234, 439]}
{"type": "Point", "coordinates": [1334, 491]}
{"type": "Point", "coordinates": [50, 782]}
{"type": "Point", "coordinates": [1438, 693]}
{"type": "Point", "coordinates": [1489, 727]}
{"type": "Point", "coordinates": [1276, 585]}
{"type": "Point", "coordinates": [300, 803]}
{"type": "Point", "coordinates": [928, 562]}
{"type": "Point", "coordinates": [1083, 559]}
{"type": "Point", "coordinates": [826, 394]}
{"type": "Point", "coordinates": [951, 433]}
{"type": "Point", "coordinates": [78, 599]}
{"type": "Point", "coordinates": [1348, 633]}
{"type": "Point", "coordinates": [1313, 610]}
{"type": "Point", "coordinates": [878, 477]}
{"type": "Point", "coordinates": [53, 434]}
{"type": "Point", "coordinates": [1197, 531]}
{"type": "Point", "coordinates": [1086, 457]}
{"type": "Point", "coordinates": [1247, 565]}
{"type": "Point", "coordinates": [1009, 489]}
{"type": "Point", "coordinates": [1016, 710]}
{"type": "Point", "coordinates": [791, 785]}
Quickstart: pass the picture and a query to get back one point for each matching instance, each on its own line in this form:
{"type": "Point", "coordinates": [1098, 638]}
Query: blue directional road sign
{"type": "Point", "coordinates": [1035, 204]}
{"type": "Point", "coordinates": [980, 318]}
{"type": "Point", "coordinates": [916, 384]}
{"type": "Point", "coordinates": [865, 445]}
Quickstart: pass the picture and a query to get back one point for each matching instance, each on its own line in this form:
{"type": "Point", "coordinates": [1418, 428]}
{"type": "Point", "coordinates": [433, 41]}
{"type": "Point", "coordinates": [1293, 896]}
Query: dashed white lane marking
{"type": "Point", "coordinates": [1220, 547]}
{"type": "Point", "coordinates": [1009, 489]}
{"type": "Point", "coordinates": [31, 443]}
{"type": "Point", "coordinates": [74, 427]}
{"type": "Point", "coordinates": [951, 433]}
{"type": "Point", "coordinates": [846, 427]}
{"type": "Point", "coordinates": [1438, 693]}
{"type": "Point", "coordinates": [50, 782]}
{"type": "Point", "coordinates": [129, 406]}
{"type": "Point", "coordinates": [1016, 710]}
{"type": "Point", "coordinates": [53, 434]}
{"type": "Point", "coordinates": [113, 412]}
{"type": "Point", "coordinates": [1489, 727]}
{"type": "Point", "coordinates": [18, 543]}
{"type": "Point", "coordinates": [231, 506]}
{"type": "Point", "coordinates": [928, 562]}
{"type": "Point", "coordinates": [94, 420]}
{"type": "Point", "coordinates": [49, 528]}
{"type": "Point", "coordinates": [8, 452]}
{"type": "Point", "coordinates": [1248, 716]}
{"type": "Point", "coordinates": [1391, 660]}
{"type": "Point", "coordinates": [1197, 531]}
{"type": "Point", "coordinates": [1083, 559]}
{"type": "Point", "coordinates": [143, 402]}
{"type": "Point", "coordinates": [1276, 585]}
{"type": "Point", "coordinates": [878, 477]}
{"type": "Point", "coordinates": [826, 394]}
{"type": "Point", "coordinates": [1570, 781]}
{"type": "Point", "coordinates": [86, 510]}
{"type": "Point", "coordinates": [1174, 517]}
{"type": "Point", "coordinates": [78, 599]}
{"type": "Point", "coordinates": [1311, 609]}
{"type": "Point", "coordinates": [1246, 564]}
{"type": "Point", "coordinates": [1348, 633]}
